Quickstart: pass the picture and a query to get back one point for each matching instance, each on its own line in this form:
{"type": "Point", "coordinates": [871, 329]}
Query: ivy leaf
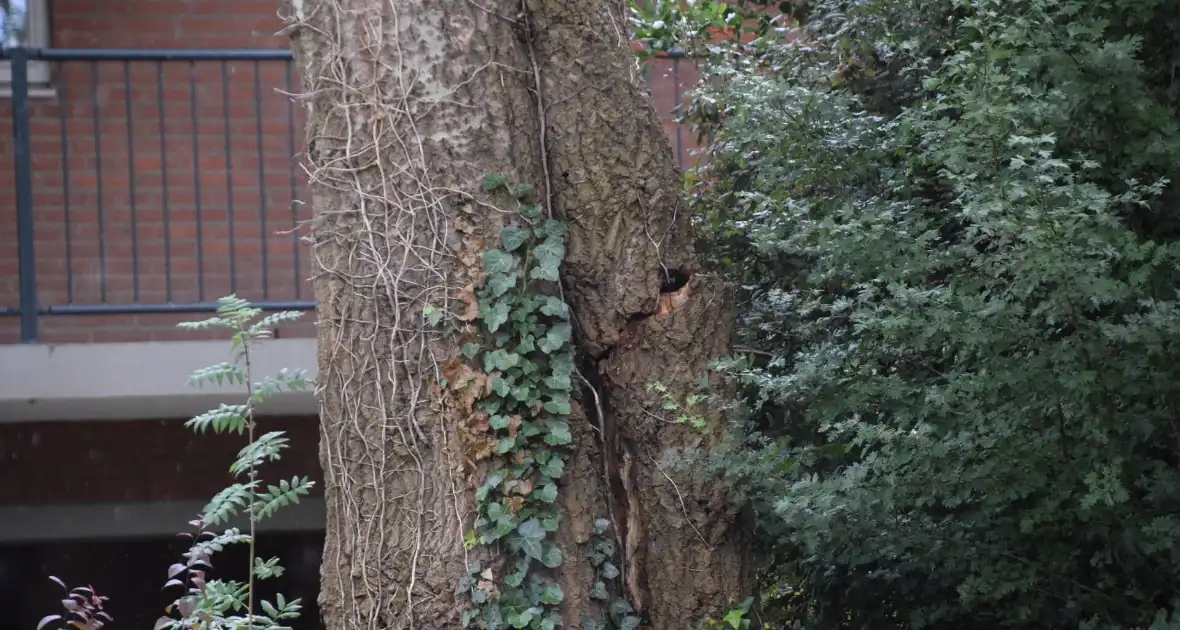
{"type": "Point", "coordinates": [547, 493]}
{"type": "Point", "coordinates": [505, 444]}
{"type": "Point", "coordinates": [553, 468]}
{"type": "Point", "coordinates": [527, 344]}
{"type": "Point", "coordinates": [498, 261]}
{"type": "Point", "coordinates": [630, 622]}
{"type": "Point", "coordinates": [514, 579]}
{"type": "Point", "coordinates": [493, 618]}
{"type": "Point", "coordinates": [620, 607]}
{"type": "Point", "coordinates": [559, 433]}
{"type": "Point", "coordinates": [549, 255]}
{"type": "Point", "coordinates": [470, 349]}
{"type": "Point", "coordinates": [555, 338]}
{"type": "Point", "coordinates": [734, 618]}
{"type": "Point", "coordinates": [561, 364]}
{"type": "Point", "coordinates": [500, 360]}
{"type": "Point", "coordinates": [513, 237]}
{"type": "Point", "coordinates": [501, 283]}
{"type": "Point", "coordinates": [468, 616]}
{"type": "Point", "coordinates": [609, 571]}
{"type": "Point", "coordinates": [531, 535]}
{"type": "Point", "coordinates": [551, 522]}
{"type": "Point", "coordinates": [492, 181]}
{"type": "Point", "coordinates": [552, 595]}
{"type": "Point", "coordinates": [521, 619]}
{"type": "Point", "coordinates": [499, 421]}
{"type": "Point", "coordinates": [601, 525]}
{"type": "Point", "coordinates": [494, 480]}
{"type": "Point", "coordinates": [606, 547]}
{"type": "Point", "coordinates": [560, 382]}
{"type": "Point", "coordinates": [501, 387]}
{"type": "Point", "coordinates": [494, 315]}
{"type": "Point", "coordinates": [531, 530]}
{"type": "Point", "coordinates": [553, 557]}
{"type": "Point", "coordinates": [524, 192]}
{"type": "Point", "coordinates": [558, 405]}
{"type": "Point", "coordinates": [523, 393]}
{"type": "Point", "coordinates": [599, 592]}
{"type": "Point", "coordinates": [554, 307]}
{"type": "Point", "coordinates": [531, 548]}
{"type": "Point", "coordinates": [553, 228]}
{"type": "Point", "coordinates": [592, 624]}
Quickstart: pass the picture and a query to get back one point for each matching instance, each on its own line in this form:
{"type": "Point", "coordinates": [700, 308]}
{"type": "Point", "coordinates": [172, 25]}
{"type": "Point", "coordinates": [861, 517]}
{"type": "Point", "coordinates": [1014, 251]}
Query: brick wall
{"type": "Point", "coordinates": [133, 161]}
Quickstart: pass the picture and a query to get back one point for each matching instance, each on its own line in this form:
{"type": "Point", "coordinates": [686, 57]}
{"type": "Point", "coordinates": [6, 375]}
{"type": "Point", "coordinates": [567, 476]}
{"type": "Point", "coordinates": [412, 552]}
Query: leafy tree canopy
{"type": "Point", "coordinates": [955, 224]}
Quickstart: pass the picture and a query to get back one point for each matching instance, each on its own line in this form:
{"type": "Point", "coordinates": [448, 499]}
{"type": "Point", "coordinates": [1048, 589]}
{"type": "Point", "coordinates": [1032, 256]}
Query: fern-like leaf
{"type": "Point", "coordinates": [270, 568]}
{"type": "Point", "coordinates": [227, 503]}
{"type": "Point", "coordinates": [286, 493]}
{"type": "Point", "coordinates": [220, 374]}
{"type": "Point", "coordinates": [206, 548]}
{"type": "Point", "coordinates": [274, 319]}
{"type": "Point", "coordinates": [264, 448]}
{"type": "Point", "coordinates": [224, 418]}
{"type": "Point", "coordinates": [212, 323]}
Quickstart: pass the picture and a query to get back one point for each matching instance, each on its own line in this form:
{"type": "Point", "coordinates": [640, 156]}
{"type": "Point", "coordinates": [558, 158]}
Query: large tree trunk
{"type": "Point", "coordinates": [411, 104]}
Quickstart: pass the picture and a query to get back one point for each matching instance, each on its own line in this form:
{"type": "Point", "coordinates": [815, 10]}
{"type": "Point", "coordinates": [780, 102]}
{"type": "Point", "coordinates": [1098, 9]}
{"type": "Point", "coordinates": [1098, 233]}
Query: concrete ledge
{"type": "Point", "coordinates": [136, 381]}
{"type": "Point", "coordinates": [56, 523]}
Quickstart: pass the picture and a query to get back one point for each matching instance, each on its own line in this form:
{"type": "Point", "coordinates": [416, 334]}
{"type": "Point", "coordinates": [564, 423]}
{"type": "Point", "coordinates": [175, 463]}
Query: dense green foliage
{"type": "Point", "coordinates": [955, 224]}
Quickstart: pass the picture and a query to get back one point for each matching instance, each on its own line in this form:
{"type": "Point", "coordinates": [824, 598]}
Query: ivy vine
{"type": "Point", "coordinates": [524, 348]}
{"type": "Point", "coordinates": [603, 555]}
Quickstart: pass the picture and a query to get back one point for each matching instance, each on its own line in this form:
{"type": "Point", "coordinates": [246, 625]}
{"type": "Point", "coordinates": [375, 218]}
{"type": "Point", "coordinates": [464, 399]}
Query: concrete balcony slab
{"type": "Point", "coordinates": [135, 381]}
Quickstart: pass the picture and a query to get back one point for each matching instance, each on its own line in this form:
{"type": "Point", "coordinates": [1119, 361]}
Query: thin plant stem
{"type": "Point", "coordinates": [253, 511]}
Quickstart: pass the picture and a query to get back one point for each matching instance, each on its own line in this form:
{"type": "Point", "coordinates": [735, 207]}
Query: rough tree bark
{"type": "Point", "coordinates": [411, 103]}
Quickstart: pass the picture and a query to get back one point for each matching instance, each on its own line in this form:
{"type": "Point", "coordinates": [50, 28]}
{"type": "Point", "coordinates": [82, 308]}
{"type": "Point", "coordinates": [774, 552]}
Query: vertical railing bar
{"type": "Point", "coordinates": [127, 106]}
{"type": "Point", "coordinates": [23, 171]}
{"type": "Point", "coordinates": [102, 249]}
{"type": "Point", "coordinates": [63, 107]}
{"type": "Point", "coordinates": [294, 205]}
{"type": "Point", "coordinates": [229, 178]}
{"type": "Point", "coordinates": [192, 90]}
{"type": "Point", "coordinates": [164, 183]}
{"type": "Point", "coordinates": [261, 179]}
{"type": "Point", "coordinates": [675, 111]}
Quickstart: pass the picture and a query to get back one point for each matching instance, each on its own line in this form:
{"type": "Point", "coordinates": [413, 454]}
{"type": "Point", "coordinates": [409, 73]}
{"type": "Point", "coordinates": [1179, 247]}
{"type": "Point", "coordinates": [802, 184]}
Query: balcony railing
{"type": "Point", "coordinates": [156, 181]}
{"type": "Point", "coordinates": [151, 182]}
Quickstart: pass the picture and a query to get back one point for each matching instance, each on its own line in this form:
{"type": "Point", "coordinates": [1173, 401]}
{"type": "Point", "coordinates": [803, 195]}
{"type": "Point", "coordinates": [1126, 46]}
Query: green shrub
{"type": "Point", "coordinates": [957, 234]}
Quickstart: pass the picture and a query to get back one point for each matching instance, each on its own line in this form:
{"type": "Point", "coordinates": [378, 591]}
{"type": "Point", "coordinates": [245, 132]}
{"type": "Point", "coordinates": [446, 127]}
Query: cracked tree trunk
{"type": "Point", "coordinates": [411, 103]}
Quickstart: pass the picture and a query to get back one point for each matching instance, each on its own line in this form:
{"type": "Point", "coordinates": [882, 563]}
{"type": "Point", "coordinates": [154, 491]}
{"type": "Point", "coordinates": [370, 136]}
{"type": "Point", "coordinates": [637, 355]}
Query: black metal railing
{"type": "Point", "coordinates": [156, 181]}
{"type": "Point", "coordinates": [152, 181]}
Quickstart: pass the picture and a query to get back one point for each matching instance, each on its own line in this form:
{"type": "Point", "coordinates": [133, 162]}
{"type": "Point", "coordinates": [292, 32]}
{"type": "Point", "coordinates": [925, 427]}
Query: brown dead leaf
{"type": "Point", "coordinates": [452, 369]}
{"type": "Point", "coordinates": [489, 588]}
{"type": "Point", "coordinates": [482, 451]}
{"type": "Point", "coordinates": [478, 423]}
{"type": "Point", "coordinates": [467, 295]}
{"type": "Point", "coordinates": [514, 423]}
{"type": "Point", "coordinates": [514, 504]}
{"type": "Point", "coordinates": [524, 488]}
